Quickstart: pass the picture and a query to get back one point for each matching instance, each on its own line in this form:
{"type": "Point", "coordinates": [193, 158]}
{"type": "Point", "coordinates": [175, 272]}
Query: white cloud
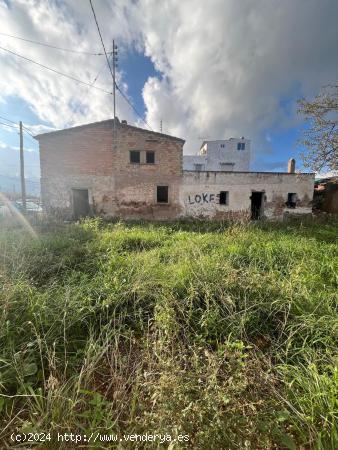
{"type": "Point", "coordinates": [227, 65]}
{"type": "Point", "coordinates": [39, 129]}
{"type": "Point", "coordinates": [8, 129]}
{"type": "Point", "coordinates": [230, 64]}
{"type": "Point", "coordinates": [56, 99]}
{"type": "Point", "coordinates": [10, 161]}
{"type": "Point", "coordinates": [268, 137]}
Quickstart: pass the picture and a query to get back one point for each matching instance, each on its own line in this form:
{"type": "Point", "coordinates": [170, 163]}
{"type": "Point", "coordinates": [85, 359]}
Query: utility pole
{"type": "Point", "coordinates": [22, 171]}
{"type": "Point", "coordinates": [161, 125]}
{"type": "Point", "coordinates": [114, 67]}
{"type": "Point", "coordinates": [114, 89]}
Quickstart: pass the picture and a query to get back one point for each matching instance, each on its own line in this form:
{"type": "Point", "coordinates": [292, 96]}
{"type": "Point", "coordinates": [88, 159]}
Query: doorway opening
{"type": "Point", "coordinates": [256, 205]}
{"type": "Point", "coordinates": [80, 203]}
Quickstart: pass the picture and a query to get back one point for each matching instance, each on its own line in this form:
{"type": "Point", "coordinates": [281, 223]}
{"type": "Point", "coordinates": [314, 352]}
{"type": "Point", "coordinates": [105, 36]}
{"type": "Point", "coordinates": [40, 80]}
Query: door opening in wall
{"type": "Point", "coordinates": [80, 203]}
{"type": "Point", "coordinates": [256, 205]}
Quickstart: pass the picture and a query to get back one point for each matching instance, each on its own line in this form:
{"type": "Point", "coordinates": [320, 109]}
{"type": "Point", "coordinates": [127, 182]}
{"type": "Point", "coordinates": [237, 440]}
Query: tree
{"type": "Point", "coordinates": [321, 135]}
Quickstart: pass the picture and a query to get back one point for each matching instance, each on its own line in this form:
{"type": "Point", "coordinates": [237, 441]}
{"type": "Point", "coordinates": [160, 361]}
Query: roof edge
{"type": "Point", "coordinates": [108, 121]}
{"type": "Point", "coordinates": [77, 127]}
{"type": "Point", "coordinates": [156, 133]}
{"type": "Point", "coordinates": [252, 171]}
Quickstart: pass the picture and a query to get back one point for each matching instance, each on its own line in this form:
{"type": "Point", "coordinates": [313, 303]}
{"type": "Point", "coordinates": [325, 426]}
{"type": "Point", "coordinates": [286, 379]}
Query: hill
{"type": "Point", "coordinates": [13, 184]}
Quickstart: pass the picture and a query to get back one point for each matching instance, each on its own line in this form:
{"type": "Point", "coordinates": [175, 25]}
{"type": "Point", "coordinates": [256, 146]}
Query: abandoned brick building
{"type": "Point", "coordinates": [113, 169]}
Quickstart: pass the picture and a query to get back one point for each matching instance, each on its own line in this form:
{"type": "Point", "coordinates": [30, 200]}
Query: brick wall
{"type": "Point", "coordinates": [97, 157]}
{"type": "Point", "coordinates": [136, 184]}
{"type": "Point", "coordinates": [82, 150]}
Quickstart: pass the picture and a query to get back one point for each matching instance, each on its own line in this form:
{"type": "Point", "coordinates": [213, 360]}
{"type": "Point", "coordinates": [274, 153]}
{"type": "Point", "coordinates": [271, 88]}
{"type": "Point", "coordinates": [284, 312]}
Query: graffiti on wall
{"type": "Point", "coordinates": [202, 198]}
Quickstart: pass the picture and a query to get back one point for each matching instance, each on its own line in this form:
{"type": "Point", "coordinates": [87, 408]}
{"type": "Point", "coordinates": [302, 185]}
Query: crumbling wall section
{"type": "Point", "coordinates": [58, 196]}
{"type": "Point", "coordinates": [200, 193]}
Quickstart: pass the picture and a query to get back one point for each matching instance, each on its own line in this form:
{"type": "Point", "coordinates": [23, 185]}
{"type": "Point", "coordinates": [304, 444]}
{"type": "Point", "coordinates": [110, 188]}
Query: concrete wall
{"type": "Point", "coordinates": [190, 161]}
{"type": "Point", "coordinates": [200, 191]}
{"type": "Point", "coordinates": [221, 155]}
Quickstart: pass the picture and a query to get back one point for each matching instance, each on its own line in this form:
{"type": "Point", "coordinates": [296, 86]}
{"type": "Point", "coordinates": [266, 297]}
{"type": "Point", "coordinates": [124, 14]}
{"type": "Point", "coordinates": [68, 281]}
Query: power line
{"type": "Point", "coordinates": [7, 125]}
{"type": "Point", "coordinates": [91, 85]}
{"type": "Point", "coordinates": [53, 46]}
{"type": "Point", "coordinates": [112, 72]}
{"type": "Point", "coordinates": [29, 134]}
{"type": "Point", "coordinates": [97, 76]}
{"type": "Point", "coordinates": [8, 120]}
{"type": "Point", "coordinates": [104, 48]}
{"type": "Point", "coordinates": [110, 69]}
{"type": "Point", "coordinates": [57, 71]}
{"type": "Point", "coordinates": [132, 106]}
{"type": "Point", "coordinates": [12, 121]}
{"type": "Point", "coordinates": [16, 125]}
{"type": "Point", "coordinates": [27, 131]}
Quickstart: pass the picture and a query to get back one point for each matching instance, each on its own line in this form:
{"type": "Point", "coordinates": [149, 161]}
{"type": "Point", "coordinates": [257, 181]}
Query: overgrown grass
{"type": "Point", "coordinates": [225, 332]}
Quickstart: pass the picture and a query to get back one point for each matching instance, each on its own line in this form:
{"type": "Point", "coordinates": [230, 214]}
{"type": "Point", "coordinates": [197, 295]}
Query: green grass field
{"type": "Point", "coordinates": [224, 332]}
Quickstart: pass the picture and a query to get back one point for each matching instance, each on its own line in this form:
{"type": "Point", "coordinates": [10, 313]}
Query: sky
{"type": "Point", "coordinates": [207, 70]}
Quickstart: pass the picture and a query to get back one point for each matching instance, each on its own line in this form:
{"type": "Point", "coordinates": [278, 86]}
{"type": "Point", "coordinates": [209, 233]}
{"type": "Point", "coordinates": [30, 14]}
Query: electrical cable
{"type": "Point", "coordinates": [110, 69]}
{"type": "Point", "coordinates": [52, 46]}
{"type": "Point", "coordinates": [56, 71]}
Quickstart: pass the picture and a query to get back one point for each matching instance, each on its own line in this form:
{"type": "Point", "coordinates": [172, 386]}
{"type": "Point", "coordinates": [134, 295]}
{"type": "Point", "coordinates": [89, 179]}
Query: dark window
{"type": "Point", "coordinates": [198, 167]}
{"type": "Point", "coordinates": [135, 157]}
{"type": "Point", "coordinates": [292, 199]}
{"type": "Point", "coordinates": [241, 146]}
{"type": "Point", "coordinates": [224, 197]}
{"type": "Point", "coordinates": [162, 194]}
{"type": "Point", "coordinates": [150, 157]}
{"type": "Point", "coordinates": [222, 145]}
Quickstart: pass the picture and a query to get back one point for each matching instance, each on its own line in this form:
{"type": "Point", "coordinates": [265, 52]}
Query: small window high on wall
{"type": "Point", "coordinates": [224, 198]}
{"type": "Point", "coordinates": [150, 157]}
{"type": "Point", "coordinates": [135, 157]}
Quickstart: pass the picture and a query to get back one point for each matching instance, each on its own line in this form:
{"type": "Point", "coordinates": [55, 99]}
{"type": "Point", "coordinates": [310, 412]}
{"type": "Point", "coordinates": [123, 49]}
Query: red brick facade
{"type": "Point", "coordinates": [97, 157]}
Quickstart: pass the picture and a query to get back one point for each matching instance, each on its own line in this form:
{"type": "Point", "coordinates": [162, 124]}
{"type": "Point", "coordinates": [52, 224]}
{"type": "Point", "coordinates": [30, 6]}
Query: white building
{"type": "Point", "coordinates": [228, 155]}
